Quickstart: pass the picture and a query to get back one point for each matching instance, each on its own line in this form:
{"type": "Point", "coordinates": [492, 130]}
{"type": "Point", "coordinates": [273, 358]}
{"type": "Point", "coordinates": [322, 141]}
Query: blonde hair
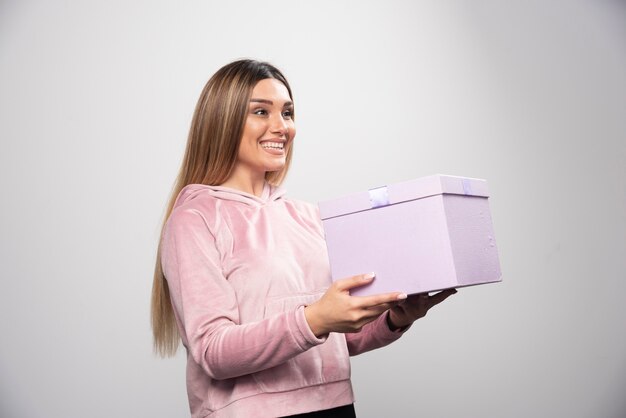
{"type": "Point", "coordinates": [210, 156]}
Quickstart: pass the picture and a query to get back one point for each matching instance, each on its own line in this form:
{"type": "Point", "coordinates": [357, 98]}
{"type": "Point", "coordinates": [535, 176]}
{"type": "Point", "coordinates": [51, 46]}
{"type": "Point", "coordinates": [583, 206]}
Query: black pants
{"type": "Point", "coordinates": [346, 411]}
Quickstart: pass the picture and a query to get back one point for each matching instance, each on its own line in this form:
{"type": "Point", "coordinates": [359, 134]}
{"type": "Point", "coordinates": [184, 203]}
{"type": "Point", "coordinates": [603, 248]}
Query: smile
{"type": "Point", "coordinates": [273, 145]}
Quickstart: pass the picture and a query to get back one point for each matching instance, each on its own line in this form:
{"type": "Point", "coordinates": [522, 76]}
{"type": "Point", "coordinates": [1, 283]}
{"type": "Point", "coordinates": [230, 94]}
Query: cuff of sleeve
{"type": "Point", "coordinates": [305, 336]}
{"type": "Point", "coordinates": [386, 332]}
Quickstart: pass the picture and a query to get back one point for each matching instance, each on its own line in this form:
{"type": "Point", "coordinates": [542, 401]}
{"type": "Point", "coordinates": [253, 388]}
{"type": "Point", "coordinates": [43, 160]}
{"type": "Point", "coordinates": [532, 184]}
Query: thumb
{"type": "Point", "coordinates": [441, 296]}
{"type": "Point", "coordinates": [354, 281]}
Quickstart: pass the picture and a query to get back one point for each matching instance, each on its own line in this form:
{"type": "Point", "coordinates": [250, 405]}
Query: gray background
{"type": "Point", "coordinates": [96, 98]}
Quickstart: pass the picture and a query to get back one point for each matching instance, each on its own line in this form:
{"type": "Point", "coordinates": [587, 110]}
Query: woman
{"type": "Point", "coordinates": [242, 274]}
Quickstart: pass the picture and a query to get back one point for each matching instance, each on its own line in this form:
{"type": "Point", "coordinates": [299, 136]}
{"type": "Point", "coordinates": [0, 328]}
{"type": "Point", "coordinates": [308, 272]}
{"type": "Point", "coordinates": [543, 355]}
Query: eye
{"type": "Point", "coordinates": [260, 112]}
{"type": "Point", "coordinates": [287, 114]}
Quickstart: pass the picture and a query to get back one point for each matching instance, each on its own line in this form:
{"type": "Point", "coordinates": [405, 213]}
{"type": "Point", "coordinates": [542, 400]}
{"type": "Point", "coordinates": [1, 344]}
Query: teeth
{"type": "Point", "coordinates": [273, 145]}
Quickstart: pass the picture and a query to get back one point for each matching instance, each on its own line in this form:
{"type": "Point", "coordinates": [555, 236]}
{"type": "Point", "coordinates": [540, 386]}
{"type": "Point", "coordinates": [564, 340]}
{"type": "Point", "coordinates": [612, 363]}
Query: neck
{"type": "Point", "coordinates": [246, 182]}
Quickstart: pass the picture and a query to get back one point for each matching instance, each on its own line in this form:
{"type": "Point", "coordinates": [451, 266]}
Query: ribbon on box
{"type": "Point", "coordinates": [379, 197]}
{"type": "Point", "coordinates": [467, 187]}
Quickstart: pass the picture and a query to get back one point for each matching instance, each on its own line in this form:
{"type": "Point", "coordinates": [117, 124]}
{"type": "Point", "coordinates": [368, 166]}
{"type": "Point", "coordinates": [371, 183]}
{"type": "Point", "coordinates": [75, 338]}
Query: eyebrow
{"type": "Point", "coordinates": [269, 102]}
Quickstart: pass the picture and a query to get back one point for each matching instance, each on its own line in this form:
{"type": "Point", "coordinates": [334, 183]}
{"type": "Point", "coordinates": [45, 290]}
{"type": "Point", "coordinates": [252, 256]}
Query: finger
{"type": "Point", "coordinates": [380, 308]}
{"type": "Point", "coordinates": [382, 298]}
{"type": "Point", "coordinates": [440, 297]}
{"type": "Point", "coordinates": [354, 281]}
{"type": "Point", "coordinates": [374, 312]}
{"type": "Point", "coordinates": [417, 299]}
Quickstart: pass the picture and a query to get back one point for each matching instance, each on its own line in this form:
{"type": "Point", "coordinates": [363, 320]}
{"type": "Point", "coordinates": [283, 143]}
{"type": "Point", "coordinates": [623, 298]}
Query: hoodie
{"type": "Point", "coordinates": [240, 270]}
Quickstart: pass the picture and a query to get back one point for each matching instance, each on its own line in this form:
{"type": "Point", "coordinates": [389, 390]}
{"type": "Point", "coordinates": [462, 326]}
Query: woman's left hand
{"type": "Point", "coordinates": [414, 307]}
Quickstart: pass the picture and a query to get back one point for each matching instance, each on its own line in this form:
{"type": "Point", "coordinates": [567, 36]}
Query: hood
{"type": "Point", "coordinates": [191, 191]}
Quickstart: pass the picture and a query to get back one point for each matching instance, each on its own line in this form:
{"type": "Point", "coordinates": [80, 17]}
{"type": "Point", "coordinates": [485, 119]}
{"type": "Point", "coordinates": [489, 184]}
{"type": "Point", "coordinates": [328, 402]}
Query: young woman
{"type": "Point", "coordinates": [242, 274]}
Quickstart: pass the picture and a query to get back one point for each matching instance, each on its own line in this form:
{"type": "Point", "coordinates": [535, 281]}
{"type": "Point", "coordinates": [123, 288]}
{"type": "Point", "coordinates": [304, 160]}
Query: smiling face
{"type": "Point", "coordinates": [268, 131]}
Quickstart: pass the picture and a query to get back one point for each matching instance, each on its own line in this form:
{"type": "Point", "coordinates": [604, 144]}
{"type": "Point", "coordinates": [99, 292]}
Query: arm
{"type": "Point", "coordinates": [374, 335]}
{"type": "Point", "coordinates": [206, 306]}
{"type": "Point", "coordinates": [363, 319]}
{"type": "Point", "coordinates": [396, 321]}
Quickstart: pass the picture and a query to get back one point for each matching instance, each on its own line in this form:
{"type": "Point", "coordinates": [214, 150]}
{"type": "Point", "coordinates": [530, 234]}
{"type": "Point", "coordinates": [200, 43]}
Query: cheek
{"type": "Point", "coordinates": [253, 130]}
{"type": "Point", "coordinates": [246, 145]}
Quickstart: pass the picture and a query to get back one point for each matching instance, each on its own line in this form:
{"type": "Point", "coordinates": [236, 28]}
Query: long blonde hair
{"type": "Point", "coordinates": [210, 156]}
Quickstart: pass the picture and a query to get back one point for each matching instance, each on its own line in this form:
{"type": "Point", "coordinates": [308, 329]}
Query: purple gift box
{"type": "Point", "coordinates": [418, 236]}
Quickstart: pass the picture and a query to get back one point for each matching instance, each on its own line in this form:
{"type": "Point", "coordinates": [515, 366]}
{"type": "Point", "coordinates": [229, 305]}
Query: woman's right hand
{"type": "Point", "coordinates": [337, 311]}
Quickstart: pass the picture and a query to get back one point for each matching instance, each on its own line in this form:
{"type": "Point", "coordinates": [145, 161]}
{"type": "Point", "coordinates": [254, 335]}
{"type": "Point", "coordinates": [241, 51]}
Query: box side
{"type": "Point", "coordinates": [351, 203]}
{"type": "Point", "coordinates": [472, 239]}
{"type": "Point", "coordinates": [406, 245]}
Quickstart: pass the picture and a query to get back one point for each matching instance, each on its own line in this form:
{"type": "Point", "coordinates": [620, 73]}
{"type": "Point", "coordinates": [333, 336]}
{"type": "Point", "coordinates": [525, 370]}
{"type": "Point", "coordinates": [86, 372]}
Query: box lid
{"type": "Point", "coordinates": [402, 192]}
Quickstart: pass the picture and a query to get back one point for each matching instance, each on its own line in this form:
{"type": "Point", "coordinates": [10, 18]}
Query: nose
{"type": "Point", "coordinates": [279, 125]}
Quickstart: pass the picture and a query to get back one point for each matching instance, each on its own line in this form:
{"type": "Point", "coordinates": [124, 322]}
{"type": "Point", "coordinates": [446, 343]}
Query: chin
{"type": "Point", "coordinates": [274, 167]}
{"type": "Point", "coordinates": [272, 170]}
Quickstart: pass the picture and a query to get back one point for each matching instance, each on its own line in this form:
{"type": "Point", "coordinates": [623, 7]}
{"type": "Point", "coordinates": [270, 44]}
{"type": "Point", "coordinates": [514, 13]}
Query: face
{"type": "Point", "coordinates": [269, 129]}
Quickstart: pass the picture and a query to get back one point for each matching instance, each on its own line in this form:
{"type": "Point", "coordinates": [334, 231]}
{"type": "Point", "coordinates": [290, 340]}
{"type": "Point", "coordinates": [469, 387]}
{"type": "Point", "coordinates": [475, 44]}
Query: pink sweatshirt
{"type": "Point", "coordinates": [240, 270]}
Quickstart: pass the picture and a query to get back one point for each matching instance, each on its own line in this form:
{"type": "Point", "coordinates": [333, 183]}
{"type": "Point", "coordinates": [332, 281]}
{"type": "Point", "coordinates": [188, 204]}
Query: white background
{"type": "Point", "coordinates": [96, 98]}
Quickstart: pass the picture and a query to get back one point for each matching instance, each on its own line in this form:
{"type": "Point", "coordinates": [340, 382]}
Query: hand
{"type": "Point", "coordinates": [415, 307]}
{"type": "Point", "coordinates": [337, 311]}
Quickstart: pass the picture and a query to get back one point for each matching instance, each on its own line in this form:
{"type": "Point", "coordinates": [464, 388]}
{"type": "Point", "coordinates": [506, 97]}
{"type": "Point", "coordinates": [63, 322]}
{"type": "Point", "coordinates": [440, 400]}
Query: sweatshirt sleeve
{"type": "Point", "coordinates": [206, 307]}
{"type": "Point", "coordinates": [374, 335]}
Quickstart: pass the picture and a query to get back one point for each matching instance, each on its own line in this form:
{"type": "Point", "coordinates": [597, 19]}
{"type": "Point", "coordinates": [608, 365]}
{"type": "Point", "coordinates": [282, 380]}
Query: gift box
{"type": "Point", "coordinates": [417, 236]}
